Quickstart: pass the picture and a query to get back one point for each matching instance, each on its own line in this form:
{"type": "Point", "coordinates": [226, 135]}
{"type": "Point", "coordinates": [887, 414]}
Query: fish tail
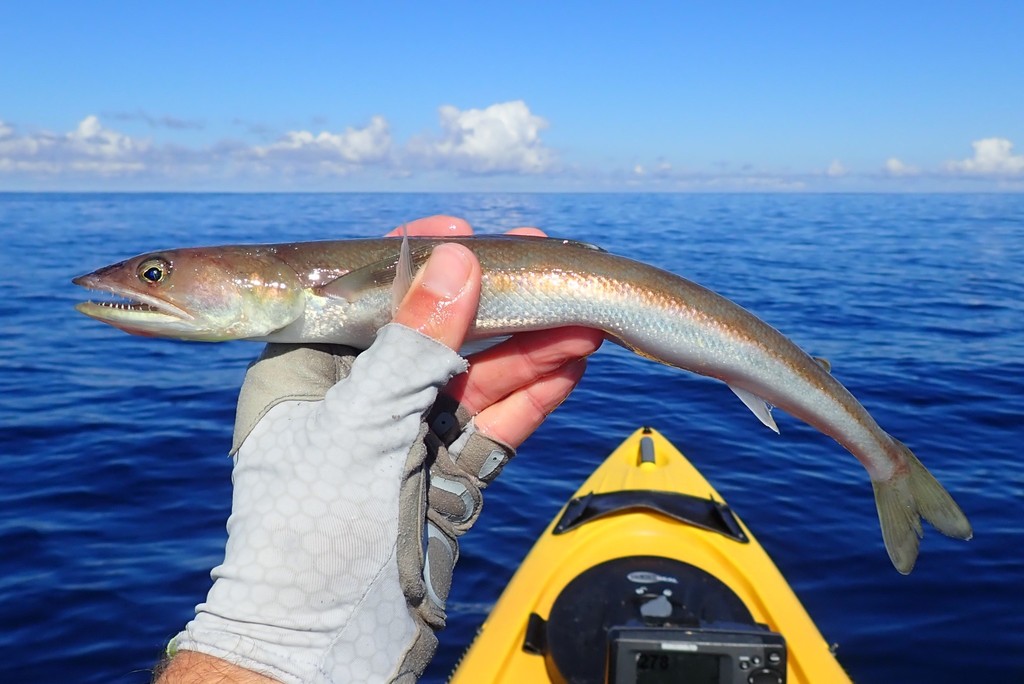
{"type": "Point", "coordinates": [904, 499]}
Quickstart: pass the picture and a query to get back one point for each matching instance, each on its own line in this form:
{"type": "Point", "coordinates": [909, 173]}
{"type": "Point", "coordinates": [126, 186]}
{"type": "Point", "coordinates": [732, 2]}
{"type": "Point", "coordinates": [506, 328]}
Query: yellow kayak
{"type": "Point", "coordinates": [647, 576]}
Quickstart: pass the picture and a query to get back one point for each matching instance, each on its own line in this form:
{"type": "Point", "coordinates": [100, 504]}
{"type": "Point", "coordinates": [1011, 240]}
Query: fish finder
{"type": "Point", "coordinates": [653, 620]}
{"type": "Point", "coordinates": [708, 655]}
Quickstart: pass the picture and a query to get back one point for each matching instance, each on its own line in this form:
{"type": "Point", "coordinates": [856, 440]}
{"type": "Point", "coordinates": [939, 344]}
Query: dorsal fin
{"type": "Point", "coordinates": [382, 273]}
{"type": "Point", "coordinates": [403, 273]}
{"type": "Point", "coordinates": [824, 363]}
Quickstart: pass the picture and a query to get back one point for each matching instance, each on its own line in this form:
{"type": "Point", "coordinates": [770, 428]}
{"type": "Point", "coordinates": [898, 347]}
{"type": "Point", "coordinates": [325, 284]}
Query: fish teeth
{"type": "Point", "coordinates": [127, 306]}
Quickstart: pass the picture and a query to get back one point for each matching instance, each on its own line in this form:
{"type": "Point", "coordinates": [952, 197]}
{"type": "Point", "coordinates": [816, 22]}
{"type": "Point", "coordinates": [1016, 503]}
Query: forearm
{"type": "Point", "coordinates": [191, 667]}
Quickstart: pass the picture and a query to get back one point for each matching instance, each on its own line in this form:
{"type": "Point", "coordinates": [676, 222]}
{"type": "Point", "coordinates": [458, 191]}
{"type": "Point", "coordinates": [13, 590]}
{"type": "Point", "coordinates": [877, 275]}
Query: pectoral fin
{"type": "Point", "coordinates": [759, 406]}
{"type": "Point", "coordinates": [384, 273]}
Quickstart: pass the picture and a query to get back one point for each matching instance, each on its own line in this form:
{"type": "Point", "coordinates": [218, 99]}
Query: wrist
{"type": "Point", "coordinates": [192, 667]}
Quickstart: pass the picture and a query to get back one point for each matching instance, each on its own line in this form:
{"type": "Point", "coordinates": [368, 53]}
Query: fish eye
{"type": "Point", "coordinates": [153, 271]}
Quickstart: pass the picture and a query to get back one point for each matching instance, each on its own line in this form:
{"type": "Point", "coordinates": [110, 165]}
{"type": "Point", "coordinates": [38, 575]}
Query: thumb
{"type": "Point", "coordinates": [442, 300]}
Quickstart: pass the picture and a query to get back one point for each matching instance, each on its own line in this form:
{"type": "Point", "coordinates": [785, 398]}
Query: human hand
{"type": "Point", "coordinates": [512, 387]}
{"type": "Point", "coordinates": [316, 563]}
{"type": "Point", "coordinates": [480, 418]}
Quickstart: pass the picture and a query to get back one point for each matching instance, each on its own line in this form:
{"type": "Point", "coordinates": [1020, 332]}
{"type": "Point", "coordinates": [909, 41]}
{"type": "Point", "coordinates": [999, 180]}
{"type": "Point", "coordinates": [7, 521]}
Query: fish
{"type": "Point", "coordinates": [343, 292]}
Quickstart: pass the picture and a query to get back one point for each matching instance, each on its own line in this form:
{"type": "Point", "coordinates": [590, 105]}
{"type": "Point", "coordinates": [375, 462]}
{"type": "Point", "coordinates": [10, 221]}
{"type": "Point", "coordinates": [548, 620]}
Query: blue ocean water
{"type": "Point", "coordinates": [114, 480]}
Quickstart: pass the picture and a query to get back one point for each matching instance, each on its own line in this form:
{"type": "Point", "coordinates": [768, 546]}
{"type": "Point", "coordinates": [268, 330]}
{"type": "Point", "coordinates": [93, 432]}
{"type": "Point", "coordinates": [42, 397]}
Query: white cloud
{"type": "Point", "coordinates": [90, 149]}
{"type": "Point", "coordinates": [337, 152]}
{"type": "Point", "coordinates": [835, 169]}
{"type": "Point", "coordinates": [93, 140]}
{"type": "Point", "coordinates": [500, 145]}
{"type": "Point", "coordinates": [503, 138]}
{"type": "Point", "coordinates": [755, 182]}
{"type": "Point", "coordinates": [662, 169]}
{"type": "Point", "coordinates": [895, 167]}
{"type": "Point", "coordinates": [663, 176]}
{"type": "Point", "coordinates": [992, 157]}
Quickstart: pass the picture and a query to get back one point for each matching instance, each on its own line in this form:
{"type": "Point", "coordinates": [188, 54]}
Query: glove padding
{"type": "Point", "coordinates": [461, 463]}
{"type": "Point", "coordinates": [299, 414]}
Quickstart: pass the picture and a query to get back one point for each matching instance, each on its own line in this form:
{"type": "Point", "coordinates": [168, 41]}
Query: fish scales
{"type": "Point", "coordinates": [340, 292]}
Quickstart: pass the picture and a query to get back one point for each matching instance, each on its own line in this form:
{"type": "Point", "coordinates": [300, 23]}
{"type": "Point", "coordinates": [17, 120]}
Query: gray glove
{"type": "Point", "coordinates": [346, 512]}
{"type": "Point", "coordinates": [461, 463]}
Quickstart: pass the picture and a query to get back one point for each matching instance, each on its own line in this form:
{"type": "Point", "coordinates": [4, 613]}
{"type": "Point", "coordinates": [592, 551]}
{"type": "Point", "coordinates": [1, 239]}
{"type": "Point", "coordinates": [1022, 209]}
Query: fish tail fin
{"type": "Point", "coordinates": [907, 497]}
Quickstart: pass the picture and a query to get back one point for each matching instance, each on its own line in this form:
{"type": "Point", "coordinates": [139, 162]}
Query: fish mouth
{"type": "Point", "coordinates": [127, 306]}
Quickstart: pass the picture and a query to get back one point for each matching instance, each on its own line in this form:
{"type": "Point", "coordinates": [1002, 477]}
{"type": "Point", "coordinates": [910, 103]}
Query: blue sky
{"type": "Point", "coordinates": [451, 96]}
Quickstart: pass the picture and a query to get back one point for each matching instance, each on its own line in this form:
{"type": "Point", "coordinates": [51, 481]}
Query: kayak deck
{"type": "Point", "coordinates": [714, 540]}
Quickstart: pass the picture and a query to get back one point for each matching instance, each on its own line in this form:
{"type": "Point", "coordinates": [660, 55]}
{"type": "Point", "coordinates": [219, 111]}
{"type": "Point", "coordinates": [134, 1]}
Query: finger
{"type": "Point", "coordinates": [434, 226]}
{"type": "Point", "coordinates": [442, 300]}
{"type": "Point", "coordinates": [518, 415]}
{"type": "Point", "coordinates": [497, 372]}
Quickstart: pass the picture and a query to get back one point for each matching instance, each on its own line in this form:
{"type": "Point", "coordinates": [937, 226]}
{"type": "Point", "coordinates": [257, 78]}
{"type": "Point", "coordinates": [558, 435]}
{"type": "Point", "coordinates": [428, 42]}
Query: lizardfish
{"type": "Point", "coordinates": [342, 292]}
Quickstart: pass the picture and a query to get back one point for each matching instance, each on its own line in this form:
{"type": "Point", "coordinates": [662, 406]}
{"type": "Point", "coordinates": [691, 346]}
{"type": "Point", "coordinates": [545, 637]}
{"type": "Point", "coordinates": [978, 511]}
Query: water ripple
{"type": "Point", "coordinates": [116, 484]}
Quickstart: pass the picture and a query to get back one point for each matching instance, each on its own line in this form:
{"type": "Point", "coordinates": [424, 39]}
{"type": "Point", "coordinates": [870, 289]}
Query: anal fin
{"type": "Point", "coordinates": [758, 406]}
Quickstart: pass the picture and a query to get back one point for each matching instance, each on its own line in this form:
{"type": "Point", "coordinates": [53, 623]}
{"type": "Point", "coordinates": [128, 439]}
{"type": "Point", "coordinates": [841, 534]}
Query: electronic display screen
{"type": "Point", "coordinates": [667, 667]}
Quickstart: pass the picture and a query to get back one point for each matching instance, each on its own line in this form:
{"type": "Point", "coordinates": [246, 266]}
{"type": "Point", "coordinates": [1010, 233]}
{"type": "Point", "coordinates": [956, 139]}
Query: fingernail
{"type": "Point", "coordinates": [446, 271]}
